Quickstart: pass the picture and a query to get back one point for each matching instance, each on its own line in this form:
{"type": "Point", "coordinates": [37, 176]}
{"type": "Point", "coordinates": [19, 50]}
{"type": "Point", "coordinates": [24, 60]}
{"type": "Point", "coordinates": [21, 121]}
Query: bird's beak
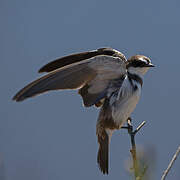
{"type": "Point", "coordinates": [150, 65]}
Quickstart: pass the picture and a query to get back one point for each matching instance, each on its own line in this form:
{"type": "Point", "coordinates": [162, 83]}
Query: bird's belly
{"type": "Point", "coordinates": [124, 107]}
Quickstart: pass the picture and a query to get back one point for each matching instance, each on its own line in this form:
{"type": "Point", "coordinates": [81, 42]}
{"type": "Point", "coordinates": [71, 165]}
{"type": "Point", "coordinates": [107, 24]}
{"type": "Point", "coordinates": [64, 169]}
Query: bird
{"type": "Point", "coordinates": [105, 79]}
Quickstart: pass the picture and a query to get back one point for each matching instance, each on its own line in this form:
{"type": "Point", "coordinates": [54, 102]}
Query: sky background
{"type": "Point", "coordinates": [52, 136]}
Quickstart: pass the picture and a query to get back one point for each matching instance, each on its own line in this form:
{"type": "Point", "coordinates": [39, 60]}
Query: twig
{"type": "Point", "coordinates": [137, 173]}
{"type": "Point", "coordinates": [140, 126]}
{"type": "Point", "coordinates": [170, 164]}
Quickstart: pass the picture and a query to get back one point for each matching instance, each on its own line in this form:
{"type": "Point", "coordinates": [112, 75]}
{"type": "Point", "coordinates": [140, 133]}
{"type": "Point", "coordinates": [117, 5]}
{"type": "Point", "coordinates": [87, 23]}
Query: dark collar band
{"type": "Point", "coordinates": [135, 78]}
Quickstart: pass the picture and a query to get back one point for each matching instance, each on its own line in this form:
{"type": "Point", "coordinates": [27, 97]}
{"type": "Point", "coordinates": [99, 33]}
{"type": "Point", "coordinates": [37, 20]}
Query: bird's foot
{"type": "Point", "coordinates": [129, 126]}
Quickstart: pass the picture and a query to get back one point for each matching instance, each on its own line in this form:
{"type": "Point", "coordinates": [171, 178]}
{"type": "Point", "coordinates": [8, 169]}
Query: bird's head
{"type": "Point", "coordinates": [138, 64]}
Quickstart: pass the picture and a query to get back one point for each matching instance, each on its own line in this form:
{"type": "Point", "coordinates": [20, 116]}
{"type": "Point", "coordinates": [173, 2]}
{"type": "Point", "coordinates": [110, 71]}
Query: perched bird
{"type": "Point", "coordinates": [104, 78]}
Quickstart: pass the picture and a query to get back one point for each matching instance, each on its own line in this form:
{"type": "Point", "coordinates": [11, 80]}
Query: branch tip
{"type": "Point", "coordinates": [171, 164]}
{"type": "Point", "coordinates": [139, 127]}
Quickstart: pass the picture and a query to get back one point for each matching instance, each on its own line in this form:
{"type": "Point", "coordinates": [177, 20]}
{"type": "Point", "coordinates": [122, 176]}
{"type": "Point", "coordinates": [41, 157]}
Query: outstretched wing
{"type": "Point", "coordinates": [73, 58]}
{"type": "Point", "coordinates": [91, 77]}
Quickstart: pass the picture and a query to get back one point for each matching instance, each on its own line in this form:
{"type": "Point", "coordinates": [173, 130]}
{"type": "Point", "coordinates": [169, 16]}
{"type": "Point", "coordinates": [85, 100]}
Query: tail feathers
{"type": "Point", "coordinates": [103, 153]}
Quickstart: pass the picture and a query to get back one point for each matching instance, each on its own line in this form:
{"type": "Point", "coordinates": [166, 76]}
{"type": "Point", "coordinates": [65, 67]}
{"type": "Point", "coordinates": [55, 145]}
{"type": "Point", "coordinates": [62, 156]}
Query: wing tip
{"type": "Point", "coordinates": [18, 98]}
{"type": "Point", "coordinates": [40, 70]}
{"type": "Point", "coordinates": [51, 66]}
{"type": "Point", "coordinates": [44, 69]}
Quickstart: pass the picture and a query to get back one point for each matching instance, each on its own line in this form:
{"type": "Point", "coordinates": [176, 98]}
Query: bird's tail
{"type": "Point", "coordinates": [103, 153]}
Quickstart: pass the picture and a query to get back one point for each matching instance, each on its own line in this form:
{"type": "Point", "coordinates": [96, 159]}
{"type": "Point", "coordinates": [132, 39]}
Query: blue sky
{"type": "Point", "coordinates": [52, 136]}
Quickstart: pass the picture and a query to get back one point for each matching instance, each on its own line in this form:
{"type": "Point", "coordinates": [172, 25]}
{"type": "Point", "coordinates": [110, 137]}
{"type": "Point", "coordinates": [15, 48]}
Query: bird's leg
{"type": "Point", "coordinates": [129, 126]}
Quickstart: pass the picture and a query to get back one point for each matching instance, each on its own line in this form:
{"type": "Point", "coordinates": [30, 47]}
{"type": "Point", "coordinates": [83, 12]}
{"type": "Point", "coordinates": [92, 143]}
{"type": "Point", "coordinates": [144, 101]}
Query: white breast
{"type": "Point", "coordinates": [125, 102]}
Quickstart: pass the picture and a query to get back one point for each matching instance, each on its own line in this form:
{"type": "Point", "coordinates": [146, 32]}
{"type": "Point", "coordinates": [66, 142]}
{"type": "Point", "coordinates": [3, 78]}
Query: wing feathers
{"type": "Point", "coordinates": [61, 62]}
{"type": "Point", "coordinates": [66, 78]}
{"type": "Point", "coordinates": [90, 99]}
{"type": "Point", "coordinates": [93, 76]}
{"type": "Point", "coordinates": [73, 58]}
